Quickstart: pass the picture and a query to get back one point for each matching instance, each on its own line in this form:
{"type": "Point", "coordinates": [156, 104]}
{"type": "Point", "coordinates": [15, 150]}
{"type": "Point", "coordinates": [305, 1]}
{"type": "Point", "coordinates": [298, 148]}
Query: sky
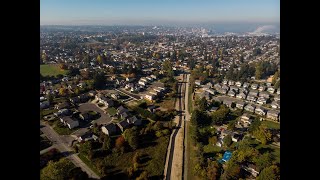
{"type": "Point", "coordinates": [157, 12]}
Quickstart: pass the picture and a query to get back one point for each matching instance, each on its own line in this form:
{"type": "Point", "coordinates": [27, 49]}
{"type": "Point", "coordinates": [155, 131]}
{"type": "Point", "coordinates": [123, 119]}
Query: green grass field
{"type": "Point", "coordinates": [51, 70]}
{"type": "Point", "coordinates": [112, 111]}
{"type": "Point", "coordinates": [272, 125]}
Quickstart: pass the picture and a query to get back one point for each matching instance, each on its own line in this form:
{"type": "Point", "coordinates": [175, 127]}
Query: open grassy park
{"type": "Point", "coordinates": [51, 70]}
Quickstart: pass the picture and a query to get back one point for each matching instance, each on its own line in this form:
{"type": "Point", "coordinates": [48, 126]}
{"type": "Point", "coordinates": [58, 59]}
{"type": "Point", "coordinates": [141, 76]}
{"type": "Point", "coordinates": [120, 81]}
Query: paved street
{"type": "Point", "coordinates": [60, 144]}
{"type": "Point", "coordinates": [104, 119]}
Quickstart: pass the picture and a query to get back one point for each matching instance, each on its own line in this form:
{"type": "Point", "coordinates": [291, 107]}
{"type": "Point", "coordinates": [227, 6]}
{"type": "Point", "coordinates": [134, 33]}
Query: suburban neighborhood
{"type": "Point", "coordinates": [155, 102]}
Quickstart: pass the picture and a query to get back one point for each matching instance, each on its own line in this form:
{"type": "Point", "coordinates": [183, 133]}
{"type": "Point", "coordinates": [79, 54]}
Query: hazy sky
{"type": "Point", "coordinates": [109, 12]}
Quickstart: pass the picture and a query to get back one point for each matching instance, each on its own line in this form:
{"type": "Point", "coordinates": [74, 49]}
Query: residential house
{"type": "Point", "coordinates": [271, 90]}
{"type": "Point", "coordinates": [198, 82]}
{"type": "Point", "coordinates": [232, 93]}
{"type": "Point", "coordinates": [241, 95]}
{"type": "Point", "coordinates": [213, 109]}
{"type": "Point", "coordinates": [204, 94]}
{"type": "Point", "coordinates": [236, 137]}
{"type": "Point", "coordinates": [209, 84]}
{"type": "Point", "coordinates": [44, 104]}
{"type": "Point", "coordinates": [275, 104]}
{"type": "Point", "coordinates": [228, 103]}
{"type": "Point", "coordinates": [74, 100]}
{"type": "Point", "coordinates": [225, 82]}
{"type": "Point", "coordinates": [106, 101]}
{"type": "Point", "coordinates": [109, 129]}
{"type": "Point", "coordinates": [251, 168]}
{"type": "Point", "coordinates": [134, 120]}
{"type": "Point", "coordinates": [160, 85]}
{"type": "Point", "coordinates": [276, 97]}
{"type": "Point", "coordinates": [238, 83]}
{"type": "Point", "coordinates": [87, 136]}
{"type": "Point", "coordinates": [128, 79]}
{"type": "Point", "coordinates": [150, 97]}
{"type": "Point", "coordinates": [234, 88]}
{"type": "Point", "coordinates": [278, 91]}
{"type": "Point", "coordinates": [121, 110]}
{"type": "Point", "coordinates": [68, 121]}
{"type": "Point", "coordinates": [62, 112]}
{"type": "Point", "coordinates": [264, 94]}
{"type": "Point", "coordinates": [246, 85]}
{"type": "Point", "coordinates": [260, 110]}
{"type": "Point", "coordinates": [123, 125]}
{"type": "Point", "coordinates": [240, 104]}
{"type": "Point", "coordinates": [231, 83]}
{"type": "Point", "coordinates": [92, 93]}
{"type": "Point", "coordinates": [273, 114]}
{"type": "Point", "coordinates": [115, 95]}
{"type": "Point", "coordinates": [250, 107]}
{"type": "Point", "coordinates": [211, 91]}
{"type": "Point", "coordinates": [142, 83]}
{"type": "Point", "coordinates": [124, 115]}
{"type": "Point", "coordinates": [225, 87]}
{"type": "Point", "coordinates": [251, 98]}
{"type": "Point", "coordinates": [222, 91]}
{"type": "Point", "coordinates": [245, 120]}
{"type": "Point", "coordinates": [83, 97]}
{"type": "Point", "coordinates": [217, 86]}
{"type": "Point", "coordinates": [262, 100]}
{"type": "Point", "coordinates": [262, 88]}
{"type": "Point", "coordinates": [154, 93]}
{"type": "Point", "coordinates": [254, 93]}
{"type": "Point", "coordinates": [86, 116]}
{"type": "Point", "coordinates": [152, 108]}
{"type": "Point", "coordinates": [62, 105]}
{"type": "Point", "coordinates": [82, 85]}
{"type": "Point", "coordinates": [268, 84]}
{"type": "Point", "coordinates": [254, 86]}
{"type": "Point", "coordinates": [153, 76]}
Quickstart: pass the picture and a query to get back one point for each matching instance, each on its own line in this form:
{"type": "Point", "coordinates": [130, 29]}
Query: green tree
{"type": "Point", "coordinates": [99, 81]}
{"type": "Point", "coordinates": [275, 77]}
{"type": "Point", "coordinates": [231, 172]}
{"type": "Point", "coordinates": [57, 170]}
{"type": "Point", "coordinates": [131, 136]}
{"type": "Point", "coordinates": [277, 85]}
{"type": "Point", "coordinates": [227, 141]}
{"type": "Point", "coordinates": [107, 143]}
{"type": "Point", "coordinates": [50, 98]}
{"type": "Point", "coordinates": [213, 170]}
{"type": "Point", "coordinates": [263, 134]}
{"type": "Point", "coordinates": [259, 71]}
{"type": "Point", "coordinates": [202, 104]}
{"type": "Point", "coordinates": [86, 148]}
{"type": "Point", "coordinates": [232, 125]}
{"type": "Point", "coordinates": [213, 140]}
{"type": "Point", "coordinates": [220, 115]}
{"type": "Point", "coordinates": [263, 161]}
{"type": "Point", "coordinates": [254, 125]}
{"type": "Point", "coordinates": [99, 59]}
{"type": "Point", "coordinates": [143, 176]}
{"type": "Point", "coordinates": [269, 173]}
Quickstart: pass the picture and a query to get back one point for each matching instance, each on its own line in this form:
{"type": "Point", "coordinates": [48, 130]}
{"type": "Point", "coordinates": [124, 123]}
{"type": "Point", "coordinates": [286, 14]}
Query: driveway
{"type": "Point", "coordinates": [104, 118]}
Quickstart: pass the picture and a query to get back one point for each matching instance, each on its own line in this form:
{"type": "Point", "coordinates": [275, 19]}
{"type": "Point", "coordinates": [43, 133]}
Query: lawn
{"type": "Point", "coordinates": [51, 70]}
{"type": "Point", "coordinates": [167, 103]}
{"type": "Point", "coordinates": [89, 164]}
{"type": "Point", "coordinates": [63, 130]}
{"type": "Point", "coordinates": [112, 111]}
{"type": "Point", "coordinates": [272, 125]}
{"type": "Point", "coordinates": [48, 111]}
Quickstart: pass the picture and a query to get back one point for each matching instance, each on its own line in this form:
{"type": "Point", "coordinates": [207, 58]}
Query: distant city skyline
{"type": "Point", "coordinates": [143, 12]}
